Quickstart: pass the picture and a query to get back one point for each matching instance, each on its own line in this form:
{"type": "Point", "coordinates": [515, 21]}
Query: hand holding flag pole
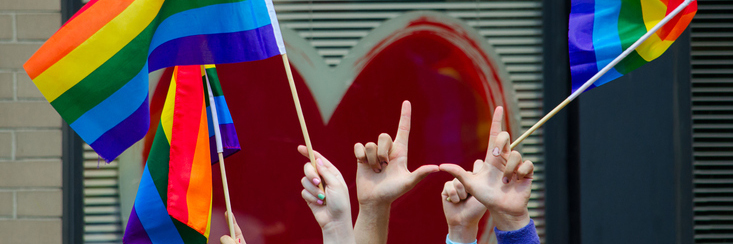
{"type": "Point", "coordinates": [220, 151]}
{"type": "Point", "coordinates": [602, 72]}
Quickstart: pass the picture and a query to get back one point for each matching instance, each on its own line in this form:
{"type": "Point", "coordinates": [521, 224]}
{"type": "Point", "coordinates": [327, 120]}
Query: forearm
{"type": "Point", "coordinates": [372, 224]}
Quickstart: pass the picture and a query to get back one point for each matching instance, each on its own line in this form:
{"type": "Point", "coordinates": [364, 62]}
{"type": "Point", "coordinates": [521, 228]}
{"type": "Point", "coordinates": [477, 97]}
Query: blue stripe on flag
{"type": "Point", "coordinates": [208, 20]}
{"type": "Point", "coordinates": [152, 213]}
{"type": "Point", "coordinates": [110, 112]}
{"type": "Point", "coordinates": [606, 42]}
{"type": "Point", "coordinates": [222, 110]}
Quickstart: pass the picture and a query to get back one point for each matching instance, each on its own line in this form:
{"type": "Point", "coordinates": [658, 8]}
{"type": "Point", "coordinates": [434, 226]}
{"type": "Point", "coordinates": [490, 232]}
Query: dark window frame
{"type": "Point", "coordinates": [72, 164]}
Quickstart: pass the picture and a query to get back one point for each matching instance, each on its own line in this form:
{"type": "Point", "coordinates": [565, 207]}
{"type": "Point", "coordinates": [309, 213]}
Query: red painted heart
{"type": "Point", "coordinates": [427, 58]}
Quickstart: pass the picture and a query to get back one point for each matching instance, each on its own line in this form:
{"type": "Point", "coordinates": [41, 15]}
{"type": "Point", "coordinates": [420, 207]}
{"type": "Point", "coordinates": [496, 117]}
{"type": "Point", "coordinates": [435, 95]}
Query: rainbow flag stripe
{"type": "Point", "coordinates": [600, 30]}
{"type": "Point", "coordinates": [94, 70]}
{"type": "Point", "coordinates": [229, 140]}
{"type": "Point", "coordinates": [173, 202]}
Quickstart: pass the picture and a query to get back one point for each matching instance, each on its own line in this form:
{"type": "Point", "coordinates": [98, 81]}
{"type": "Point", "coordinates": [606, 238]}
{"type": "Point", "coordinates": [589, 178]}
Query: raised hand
{"type": "Point", "coordinates": [462, 211]}
{"type": "Point", "coordinates": [331, 207]}
{"type": "Point", "coordinates": [382, 175]}
{"type": "Point", "coordinates": [503, 183]}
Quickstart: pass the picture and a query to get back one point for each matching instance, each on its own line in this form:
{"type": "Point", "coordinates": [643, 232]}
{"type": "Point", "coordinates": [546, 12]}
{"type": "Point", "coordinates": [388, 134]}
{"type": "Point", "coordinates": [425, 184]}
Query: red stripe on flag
{"type": "Point", "coordinates": [184, 135]}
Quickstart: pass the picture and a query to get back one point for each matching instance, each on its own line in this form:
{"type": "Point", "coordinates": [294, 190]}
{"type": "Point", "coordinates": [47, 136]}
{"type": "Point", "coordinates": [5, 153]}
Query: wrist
{"type": "Point", "coordinates": [463, 233]}
{"type": "Point", "coordinates": [509, 222]}
{"type": "Point", "coordinates": [375, 208]}
{"type": "Point", "coordinates": [338, 232]}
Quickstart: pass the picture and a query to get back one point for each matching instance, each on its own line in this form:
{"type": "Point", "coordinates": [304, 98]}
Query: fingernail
{"type": "Point", "coordinates": [377, 170]}
{"type": "Point", "coordinates": [321, 196]}
{"type": "Point", "coordinates": [316, 181]}
{"type": "Point", "coordinates": [319, 202]}
{"type": "Point", "coordinates": [239, 240]}
{"type": "Point", "coordinates": [496, 151]}
{"type": "Point", "coordinates": [320, 163]}
{"type": "Point", "coordinates": [505, 180]}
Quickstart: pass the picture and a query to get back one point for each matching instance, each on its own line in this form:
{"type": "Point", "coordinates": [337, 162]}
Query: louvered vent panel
{"type": "Point", "coordinates": [712, 121]}
{"type": "Point", "coordinates": [102, 221]}
{"type": "Point", "coordinates": [513, 28]}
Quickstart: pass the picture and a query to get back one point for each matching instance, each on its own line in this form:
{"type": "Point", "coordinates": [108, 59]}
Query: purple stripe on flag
{"type": "Point", "coordinates": [230, 142]}
{"type": "Point", "coordinates": [580, 42]}
{"type": "Point", "coordinates": [116, 140]}
{"type": "Point", "coordinates": [135, 232]}
{"type": "Point", "coordinates": [232, 47]}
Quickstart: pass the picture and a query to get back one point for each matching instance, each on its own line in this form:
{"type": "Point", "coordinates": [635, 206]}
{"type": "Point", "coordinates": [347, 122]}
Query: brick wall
{"type": "Point", "coordinates": [30, 134]}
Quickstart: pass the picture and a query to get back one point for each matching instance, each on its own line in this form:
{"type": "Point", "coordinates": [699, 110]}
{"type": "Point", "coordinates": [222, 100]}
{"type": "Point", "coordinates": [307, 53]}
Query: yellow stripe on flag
{"type": "Point", "coordinates": [166, 115]}
{"type": "Point", "coordinates": [653, 48]}
{"type": "Point", "coordinates": [653, 12]}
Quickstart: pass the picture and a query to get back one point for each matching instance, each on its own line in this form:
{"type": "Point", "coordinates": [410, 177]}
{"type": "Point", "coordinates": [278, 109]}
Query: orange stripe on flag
{"type": "Point", "coordinates": [199, 190]}
{"type": "Point", "coordinates": [73, 34]}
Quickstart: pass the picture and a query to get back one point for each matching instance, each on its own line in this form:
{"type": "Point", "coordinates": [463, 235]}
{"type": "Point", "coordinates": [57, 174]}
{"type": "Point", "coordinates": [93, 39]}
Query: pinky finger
{"type": "Point", "coordinates": [525, 171]}
{"type": "Point", "coordinates": [309, 198]}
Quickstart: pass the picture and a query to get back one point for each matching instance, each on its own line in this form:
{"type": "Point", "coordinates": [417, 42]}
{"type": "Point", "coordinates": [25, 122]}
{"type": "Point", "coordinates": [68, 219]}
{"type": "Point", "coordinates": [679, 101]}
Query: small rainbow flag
{"type": "Point", "coordinates": [229, 140]}
{"type": "Point", "coordinates": [600, 30]}
{"type": "Point", "coordinates": [173, 202]}
{"type": "Point", "coordinates": [94, 70]}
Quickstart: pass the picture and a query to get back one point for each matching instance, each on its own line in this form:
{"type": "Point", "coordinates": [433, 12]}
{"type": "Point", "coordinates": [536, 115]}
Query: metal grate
{"type": "Point", "coordinates": [513, 28]}
{"type": "Point", "coordinates": [712, 121]}
{"type": "Point", "coordinates": [102, 223]}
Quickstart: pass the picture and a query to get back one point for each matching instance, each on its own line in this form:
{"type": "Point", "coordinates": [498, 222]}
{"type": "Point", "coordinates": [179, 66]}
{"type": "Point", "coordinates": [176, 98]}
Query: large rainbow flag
{"type": "Point", "coordinates": [600, 30]}
{"type": "Point", "coordinates": [94, 69]}
{"type": "Point", "coordinates": [229, 140]}
{"type": "Point", "coordinates": [173, 202]}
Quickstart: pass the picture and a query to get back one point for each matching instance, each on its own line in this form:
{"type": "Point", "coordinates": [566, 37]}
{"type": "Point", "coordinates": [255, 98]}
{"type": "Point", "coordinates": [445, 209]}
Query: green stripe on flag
{"type": "Point", "coordinates": [105, 80]}
{"type": "Point", "coordinates": [189, 235]}
{"type": "Point", "coordinates": [158, 163]}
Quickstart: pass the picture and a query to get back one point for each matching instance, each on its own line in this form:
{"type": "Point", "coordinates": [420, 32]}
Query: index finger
{"type": "Point", "coordinates": [495, 128]}
{"type": "Point", "coordinates": [403, 130]}
{"type": "Point", "coordinates": [303, 150]}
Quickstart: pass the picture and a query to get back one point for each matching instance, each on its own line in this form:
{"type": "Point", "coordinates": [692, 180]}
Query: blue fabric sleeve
{"type": "Point", "coordinates": [527, 234]}
{"type": "Point", "coordinates": [448, 241]}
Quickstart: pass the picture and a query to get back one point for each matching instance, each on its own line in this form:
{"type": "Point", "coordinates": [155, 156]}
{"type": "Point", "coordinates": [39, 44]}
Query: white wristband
{"type": "Point", "coordinates": [448, 241]}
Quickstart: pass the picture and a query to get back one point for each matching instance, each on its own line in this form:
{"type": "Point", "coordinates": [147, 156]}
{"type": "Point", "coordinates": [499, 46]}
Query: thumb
{"type": "Point", "coordinates": [422, 172]}
{"type": "Point", "coordinates": [455, 170]}
{"type": "Point", "coordinates": [477, 165]}
{"type": "Point", "coordinates": [225, 239]}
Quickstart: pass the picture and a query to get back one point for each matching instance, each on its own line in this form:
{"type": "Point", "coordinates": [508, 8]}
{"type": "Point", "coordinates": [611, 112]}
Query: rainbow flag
{"type": "Point", "coordinates": [229, 140]}
{"type": "Point", "coordinates": [600, 30]}
{"type": "Point", "coordinates": [173, 202]}
{"type": "Point", "coordinates": [94, 70]}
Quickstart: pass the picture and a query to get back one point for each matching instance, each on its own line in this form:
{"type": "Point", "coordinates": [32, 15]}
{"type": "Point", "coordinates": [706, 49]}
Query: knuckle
{"type": "Point", "coordinates": [447, 185]}
{"type": "Point", "coordinates": [515, 157]}
{"type": "Point", "coordinates": [371, 146]}
{"type": "Point", "coordinates": [385, 136]}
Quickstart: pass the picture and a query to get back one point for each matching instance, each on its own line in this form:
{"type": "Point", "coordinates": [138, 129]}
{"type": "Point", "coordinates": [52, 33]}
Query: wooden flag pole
{"type": "Point", "coordinates": [299, 110]}
{"type": "Point", "coordinates": [220, 151]}
{"type": "Point", "coordinates": [230, 215]}
{"type": "Point", "coordinates": [602, 72]}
